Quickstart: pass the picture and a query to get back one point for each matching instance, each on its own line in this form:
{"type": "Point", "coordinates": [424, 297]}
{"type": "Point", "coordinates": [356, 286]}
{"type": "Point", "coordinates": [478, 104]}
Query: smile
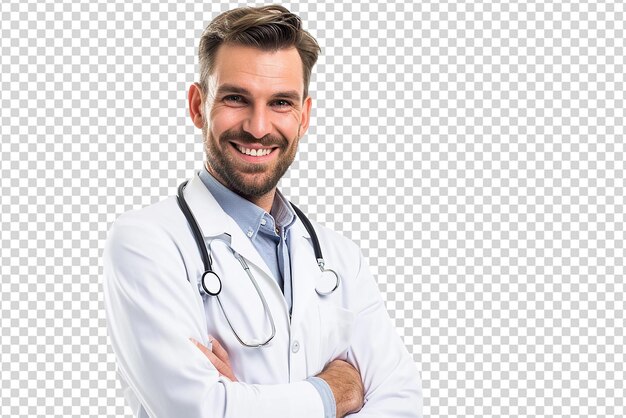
{"type": "Point", "coordinates": [255, 152]}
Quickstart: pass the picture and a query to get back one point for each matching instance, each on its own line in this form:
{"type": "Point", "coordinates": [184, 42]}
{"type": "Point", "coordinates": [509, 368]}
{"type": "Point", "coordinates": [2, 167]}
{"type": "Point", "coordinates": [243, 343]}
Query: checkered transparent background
{"type": "Point", "coordinates": [474, 151]}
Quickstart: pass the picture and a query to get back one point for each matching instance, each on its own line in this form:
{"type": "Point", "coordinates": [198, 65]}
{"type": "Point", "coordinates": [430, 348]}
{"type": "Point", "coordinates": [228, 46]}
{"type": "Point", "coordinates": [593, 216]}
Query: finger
{"type": "Point", "coordinates": [205, 350]}
{"type": "Point", "coordinates": [219, 350]}
{"type": "Point", "coordinates": [221, 367]}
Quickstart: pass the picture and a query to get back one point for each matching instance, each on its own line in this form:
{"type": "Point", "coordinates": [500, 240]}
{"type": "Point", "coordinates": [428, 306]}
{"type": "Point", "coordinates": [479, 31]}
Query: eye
{"type": "Point", "coordinates": [282, 103]}
{"type": "Point", "coordinates": [233, 98]}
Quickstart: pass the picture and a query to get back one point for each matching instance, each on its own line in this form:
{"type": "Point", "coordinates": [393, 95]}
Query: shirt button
{"type": "Point", "coordinates": [250, 232]}
{"type": "Point", "coordinates": [263, 221]}
{"type": "Point", "coordinates": [295, 347]}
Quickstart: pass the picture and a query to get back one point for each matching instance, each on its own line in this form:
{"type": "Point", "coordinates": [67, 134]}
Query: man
{"type": "Point", "coordinates": [278, 346]}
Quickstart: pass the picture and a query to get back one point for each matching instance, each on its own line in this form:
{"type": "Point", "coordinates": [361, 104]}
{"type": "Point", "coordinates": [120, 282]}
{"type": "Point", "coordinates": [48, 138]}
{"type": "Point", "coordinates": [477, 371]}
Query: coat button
{"type": "Point", "coordinates": [295, 347]}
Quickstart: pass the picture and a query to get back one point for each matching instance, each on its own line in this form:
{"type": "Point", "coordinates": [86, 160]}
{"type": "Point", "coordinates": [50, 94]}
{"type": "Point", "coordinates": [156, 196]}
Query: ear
{"type": "Point", "coordinates": [306, 115]}
{"type": "Point", "coordinates": [196, 105]}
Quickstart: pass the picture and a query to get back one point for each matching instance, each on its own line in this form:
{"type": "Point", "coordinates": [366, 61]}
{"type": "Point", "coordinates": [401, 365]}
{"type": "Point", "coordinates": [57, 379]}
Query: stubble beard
{"type": "Point", "coordinates": [228, 171]}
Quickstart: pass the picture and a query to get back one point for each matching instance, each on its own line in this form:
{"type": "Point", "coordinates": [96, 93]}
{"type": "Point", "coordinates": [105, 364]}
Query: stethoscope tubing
{"type": "Point", "coordinates": [266, 308]}
{"type": "Point", "coordinates": [195, 229]}
{"type": "Point", "coordinates": [215, 290]}
{"type": "Point", "coordinates": [193, 224]}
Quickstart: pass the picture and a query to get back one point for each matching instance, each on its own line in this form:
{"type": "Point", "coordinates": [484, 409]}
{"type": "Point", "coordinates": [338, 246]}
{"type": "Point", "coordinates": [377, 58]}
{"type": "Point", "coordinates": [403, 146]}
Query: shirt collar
{"type": "Point", "coordinates": [282, 211]}
{"type": "Point", "coordinates": [245, 213]}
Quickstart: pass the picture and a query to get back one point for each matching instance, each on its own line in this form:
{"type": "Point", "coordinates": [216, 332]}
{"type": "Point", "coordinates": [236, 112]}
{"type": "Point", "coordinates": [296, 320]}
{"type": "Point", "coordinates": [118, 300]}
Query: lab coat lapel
{"type": "Point", "coordinates": [304, 270]}
{"type": "Point", "coordinates": [213, 222]}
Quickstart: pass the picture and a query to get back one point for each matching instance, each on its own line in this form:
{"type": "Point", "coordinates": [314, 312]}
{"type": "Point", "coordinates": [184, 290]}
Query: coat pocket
{"type": "Point", "coordinates": [336, 326]}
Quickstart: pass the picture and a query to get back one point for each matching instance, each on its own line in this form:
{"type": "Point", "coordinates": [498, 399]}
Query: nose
{"type": "Point", "coordinates": [258, 123]}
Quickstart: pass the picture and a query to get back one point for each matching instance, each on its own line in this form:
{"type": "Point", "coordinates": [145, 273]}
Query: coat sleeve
{"type": "Point", "coordinates": [152, 311]}
{"type": "Point", "coordinates": [390, 376]}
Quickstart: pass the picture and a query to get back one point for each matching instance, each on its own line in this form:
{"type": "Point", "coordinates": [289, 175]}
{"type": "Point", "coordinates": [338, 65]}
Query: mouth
{"type": "Point", "coordinates": [254, 152]}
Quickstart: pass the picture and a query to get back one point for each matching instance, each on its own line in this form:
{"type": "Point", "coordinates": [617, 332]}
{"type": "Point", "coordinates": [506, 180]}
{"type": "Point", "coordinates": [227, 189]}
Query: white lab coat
{"type": "Point", "coordinates": [152, 266]}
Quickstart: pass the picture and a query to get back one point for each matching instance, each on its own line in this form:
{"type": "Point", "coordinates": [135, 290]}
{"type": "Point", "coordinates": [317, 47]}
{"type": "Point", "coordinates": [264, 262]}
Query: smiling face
{"type": "Point", "coordinates": [256, 117]}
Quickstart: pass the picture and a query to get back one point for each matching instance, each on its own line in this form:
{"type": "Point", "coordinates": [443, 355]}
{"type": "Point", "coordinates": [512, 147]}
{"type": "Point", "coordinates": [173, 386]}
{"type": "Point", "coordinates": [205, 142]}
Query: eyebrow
{"type": "Point", "coordinates": [231, 88]}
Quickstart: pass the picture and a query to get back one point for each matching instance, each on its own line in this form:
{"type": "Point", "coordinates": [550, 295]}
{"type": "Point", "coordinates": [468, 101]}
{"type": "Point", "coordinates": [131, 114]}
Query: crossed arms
{"type": "Point", "coordinates": [152, 312]}
{"type": "Point", "coordinates": [343, 378]}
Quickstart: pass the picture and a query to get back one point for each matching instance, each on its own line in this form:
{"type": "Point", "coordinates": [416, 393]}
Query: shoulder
{"type": "Point", "coordinates": [152, 231]}
{"type": "Point", "coordinates": [158, 218]}
{"type": "Point", "coordinates": [334, 238]}
{"type": "Point", "coordinates": [148, 245]}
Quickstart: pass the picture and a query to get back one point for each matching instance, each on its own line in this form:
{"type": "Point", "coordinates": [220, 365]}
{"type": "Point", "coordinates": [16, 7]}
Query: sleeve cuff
{"type": "Point", "coordinates": [328, 399]}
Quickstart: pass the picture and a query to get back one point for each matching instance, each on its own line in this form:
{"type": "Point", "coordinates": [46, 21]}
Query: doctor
{"type": "Point", "coordinates": [224, 301]}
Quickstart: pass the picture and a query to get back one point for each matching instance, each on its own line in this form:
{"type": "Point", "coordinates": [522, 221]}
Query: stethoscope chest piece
{"type": "Point", "coordinates": [327, 282]}
{"type": "Point", "coordinates": [211, 283]}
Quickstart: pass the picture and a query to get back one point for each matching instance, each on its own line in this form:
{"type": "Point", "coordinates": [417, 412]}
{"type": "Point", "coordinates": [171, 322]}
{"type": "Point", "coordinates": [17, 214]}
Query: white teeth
{"type": "Point", "coordinates": [254, 152]}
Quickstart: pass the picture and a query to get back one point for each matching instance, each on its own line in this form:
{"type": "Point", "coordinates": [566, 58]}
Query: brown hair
{"type": "Point", "coordinates": [269, 28]}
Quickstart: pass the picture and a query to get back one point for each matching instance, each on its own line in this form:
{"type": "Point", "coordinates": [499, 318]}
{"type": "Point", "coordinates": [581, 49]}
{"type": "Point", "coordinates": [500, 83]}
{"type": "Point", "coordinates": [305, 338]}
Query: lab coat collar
{"type": "Point", "coordinates": [298, 228]}
{"type": "Point", "coordinates": [201, 201]}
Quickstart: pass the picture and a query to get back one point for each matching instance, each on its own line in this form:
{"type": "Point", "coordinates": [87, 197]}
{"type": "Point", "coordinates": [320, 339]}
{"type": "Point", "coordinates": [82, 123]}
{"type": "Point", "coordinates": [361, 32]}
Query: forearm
{"type": "Point", "coordinates": [217, 398]}
{"type": "Point", "coordinates": [152, 311]}
{"type": "Point", "coordinates": [170, 377]}
{"type": "Point", "coordinates": [344, 383]}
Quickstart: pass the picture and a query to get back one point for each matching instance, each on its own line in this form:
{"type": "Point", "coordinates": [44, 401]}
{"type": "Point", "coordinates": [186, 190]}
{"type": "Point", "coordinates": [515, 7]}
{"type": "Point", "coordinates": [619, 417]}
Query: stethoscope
{"type": "Point", "coordinates": [211, 283]}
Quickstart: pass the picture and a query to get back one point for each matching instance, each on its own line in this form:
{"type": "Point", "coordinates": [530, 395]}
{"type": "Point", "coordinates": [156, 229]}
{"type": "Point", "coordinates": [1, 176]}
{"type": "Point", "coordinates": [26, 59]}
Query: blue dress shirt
{"type": "Point", "coordinates": [269, 233]}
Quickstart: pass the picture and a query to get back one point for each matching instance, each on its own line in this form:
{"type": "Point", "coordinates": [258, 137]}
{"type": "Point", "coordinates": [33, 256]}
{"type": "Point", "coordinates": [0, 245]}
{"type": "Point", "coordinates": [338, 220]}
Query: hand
{"type": "Point", "coordinates": [345, 382]}
{"type": "Point", "coordinates": [218, 357]}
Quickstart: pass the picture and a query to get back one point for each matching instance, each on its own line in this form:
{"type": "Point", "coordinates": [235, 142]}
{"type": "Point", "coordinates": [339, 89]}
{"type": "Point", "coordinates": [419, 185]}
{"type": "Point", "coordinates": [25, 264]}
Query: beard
{"type": "Point", "coordinates": [248, 180]}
